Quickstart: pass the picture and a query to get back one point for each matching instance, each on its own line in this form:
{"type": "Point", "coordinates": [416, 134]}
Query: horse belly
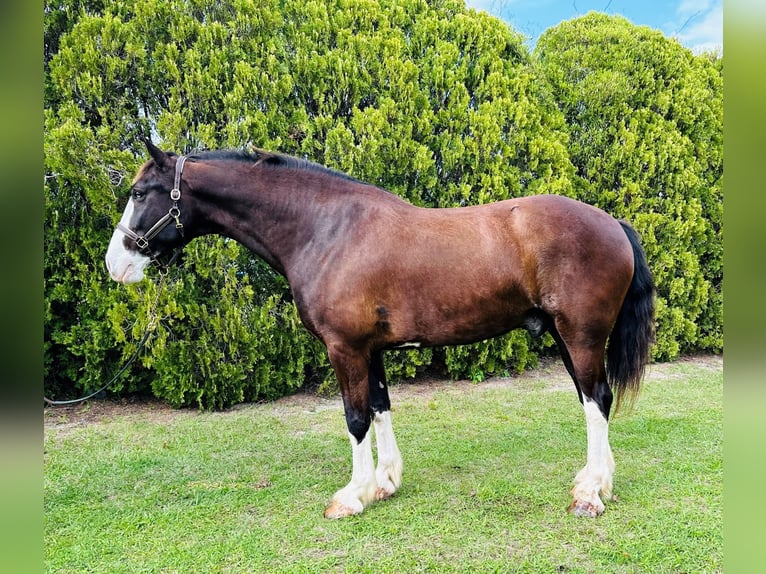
{"type": "Point", "coordinates": [456, 292]}
{"type": "Point", "coordinates": [426, 319]}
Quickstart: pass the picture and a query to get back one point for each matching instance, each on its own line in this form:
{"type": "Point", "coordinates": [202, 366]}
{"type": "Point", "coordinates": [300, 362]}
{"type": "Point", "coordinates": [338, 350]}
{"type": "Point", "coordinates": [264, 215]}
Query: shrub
{"type": "Point", "coordinates": [441, 105]}
{"type": "Point", "coordinates": [646, 126]}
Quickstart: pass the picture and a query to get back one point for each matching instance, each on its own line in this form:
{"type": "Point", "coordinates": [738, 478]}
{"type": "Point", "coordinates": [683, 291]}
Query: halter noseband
{"type": "Point", "coordinates": [173, 214]}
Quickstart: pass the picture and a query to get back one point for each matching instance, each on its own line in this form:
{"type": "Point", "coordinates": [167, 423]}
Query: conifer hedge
{"type": "Point", "coordinates": [441, 105]}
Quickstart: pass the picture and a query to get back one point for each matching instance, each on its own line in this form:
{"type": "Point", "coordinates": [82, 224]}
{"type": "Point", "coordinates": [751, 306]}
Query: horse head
{"type": "Point", "coordinates": [152, 223]}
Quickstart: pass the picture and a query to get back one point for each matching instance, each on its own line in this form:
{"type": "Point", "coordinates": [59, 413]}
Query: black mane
{"type": "Point", "coordinates": [270, 159]}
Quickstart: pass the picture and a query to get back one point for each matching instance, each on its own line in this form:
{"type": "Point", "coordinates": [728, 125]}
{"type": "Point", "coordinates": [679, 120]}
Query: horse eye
{"type": "Point", "coordinates": [138, 194]}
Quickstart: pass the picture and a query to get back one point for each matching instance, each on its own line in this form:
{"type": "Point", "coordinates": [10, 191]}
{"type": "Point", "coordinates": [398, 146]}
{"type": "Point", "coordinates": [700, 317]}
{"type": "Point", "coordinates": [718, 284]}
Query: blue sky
{"type": "Point", "coordinates": [697, 24]}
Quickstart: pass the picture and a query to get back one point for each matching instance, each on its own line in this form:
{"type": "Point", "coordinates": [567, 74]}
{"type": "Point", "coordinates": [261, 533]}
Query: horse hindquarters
{"type": "Point", "coordinates": [582, 345]}
{"type": "Point", "coordinates": [628, 353]}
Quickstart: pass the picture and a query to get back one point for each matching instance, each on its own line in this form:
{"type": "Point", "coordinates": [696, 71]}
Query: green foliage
{"type": "Point", "coordinates": [646, 125]}
{"type": "Point", "coordinates": [233, 347]}
{"type": "Point", "coordinates": [79, 201]}
{"type": "Point", "coordinates": [439, 104]}
{"type": "Point", "coordinates": [493, 356]}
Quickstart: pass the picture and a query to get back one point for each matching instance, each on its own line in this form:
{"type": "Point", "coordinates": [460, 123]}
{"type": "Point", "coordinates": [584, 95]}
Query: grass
{"type": "Point", "coordinates": [488, 468]}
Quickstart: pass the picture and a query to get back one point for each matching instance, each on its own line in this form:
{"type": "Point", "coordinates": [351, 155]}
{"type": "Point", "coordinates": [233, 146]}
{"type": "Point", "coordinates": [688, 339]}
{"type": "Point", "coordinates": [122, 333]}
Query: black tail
{"type": "Point", "coordinates": [629, 348]}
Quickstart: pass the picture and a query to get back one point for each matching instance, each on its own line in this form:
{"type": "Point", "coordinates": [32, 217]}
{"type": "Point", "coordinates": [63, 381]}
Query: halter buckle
{"type": "Point", "coordinates": [175, 194]}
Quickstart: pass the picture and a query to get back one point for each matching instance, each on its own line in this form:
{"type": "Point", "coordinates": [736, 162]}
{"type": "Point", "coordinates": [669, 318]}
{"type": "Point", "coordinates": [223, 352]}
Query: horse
{"type": "Point", "coordinates": [370, 272]}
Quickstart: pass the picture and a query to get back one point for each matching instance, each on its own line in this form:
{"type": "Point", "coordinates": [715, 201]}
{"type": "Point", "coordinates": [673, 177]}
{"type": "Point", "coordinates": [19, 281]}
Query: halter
{"type": "Point", "coordinates": [173, 214]}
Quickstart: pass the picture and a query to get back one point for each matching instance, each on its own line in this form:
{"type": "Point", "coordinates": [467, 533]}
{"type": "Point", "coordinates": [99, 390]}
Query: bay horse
{"type": "Point", "coordinates": [370, 272]}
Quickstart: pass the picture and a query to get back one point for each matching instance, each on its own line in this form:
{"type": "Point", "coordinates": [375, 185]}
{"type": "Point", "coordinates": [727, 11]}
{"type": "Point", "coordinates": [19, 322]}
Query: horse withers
{"type": "Point", "coordinates": [370, 272]}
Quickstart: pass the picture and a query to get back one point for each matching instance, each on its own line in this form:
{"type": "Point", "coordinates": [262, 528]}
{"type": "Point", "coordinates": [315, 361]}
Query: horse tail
{"type": "Point", "coordinates": [629, 348]}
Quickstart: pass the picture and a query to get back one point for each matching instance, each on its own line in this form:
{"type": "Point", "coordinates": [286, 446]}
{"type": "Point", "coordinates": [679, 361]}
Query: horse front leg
{"type": "Point", "coordinates": [389, 471]}
{"type": "Point", "coordinates": [351, 368]}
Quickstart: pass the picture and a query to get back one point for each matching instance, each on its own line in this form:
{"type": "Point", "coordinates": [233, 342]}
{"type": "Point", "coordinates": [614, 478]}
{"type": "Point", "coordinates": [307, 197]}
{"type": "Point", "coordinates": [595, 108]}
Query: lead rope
{"type": "Point", "coordinates": [151, 325]}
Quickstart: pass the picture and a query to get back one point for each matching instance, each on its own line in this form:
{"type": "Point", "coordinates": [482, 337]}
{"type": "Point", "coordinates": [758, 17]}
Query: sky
{"type": "Point", "coordinates": [697, 24]}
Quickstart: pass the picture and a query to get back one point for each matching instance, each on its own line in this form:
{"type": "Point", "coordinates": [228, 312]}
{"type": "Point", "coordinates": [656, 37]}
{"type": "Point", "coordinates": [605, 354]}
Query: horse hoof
{"type": "Point", "coordinates": [338, 510]}
{"type": "Point", "coordinates": [582, 508]}
{"type": "Point", "coordinates": [383, 494]}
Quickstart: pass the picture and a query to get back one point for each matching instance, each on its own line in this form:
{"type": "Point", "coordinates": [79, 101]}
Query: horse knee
{"type": "Point", "coordinates": [358, 422]}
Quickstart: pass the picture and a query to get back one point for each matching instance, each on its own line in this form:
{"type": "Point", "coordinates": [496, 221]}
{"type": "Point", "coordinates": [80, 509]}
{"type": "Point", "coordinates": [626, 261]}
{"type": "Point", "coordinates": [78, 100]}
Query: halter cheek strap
{"type": "Point", "coordinates": [173, 214]}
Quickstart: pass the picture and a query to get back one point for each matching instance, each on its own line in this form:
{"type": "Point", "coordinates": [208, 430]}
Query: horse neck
{"type": "Point", "coordinates": [276, 213]}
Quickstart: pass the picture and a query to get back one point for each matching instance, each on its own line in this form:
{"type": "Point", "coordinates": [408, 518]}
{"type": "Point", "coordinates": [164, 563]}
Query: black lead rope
{"type": "Point", "coordinates": [124, 368]}
{"type": "Point", "coordinates": [149, 329]}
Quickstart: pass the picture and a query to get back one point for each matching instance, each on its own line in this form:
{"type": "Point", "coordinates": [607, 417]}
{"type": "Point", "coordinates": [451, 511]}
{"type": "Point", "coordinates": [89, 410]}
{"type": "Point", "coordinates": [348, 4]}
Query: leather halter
{"type": "Point", "coordinates": [173, 214]}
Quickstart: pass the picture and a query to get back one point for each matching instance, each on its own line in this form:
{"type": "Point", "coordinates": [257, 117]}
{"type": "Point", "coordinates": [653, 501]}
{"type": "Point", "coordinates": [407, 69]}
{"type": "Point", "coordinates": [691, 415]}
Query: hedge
{"type": "Point", "coordinates": [441, 105]}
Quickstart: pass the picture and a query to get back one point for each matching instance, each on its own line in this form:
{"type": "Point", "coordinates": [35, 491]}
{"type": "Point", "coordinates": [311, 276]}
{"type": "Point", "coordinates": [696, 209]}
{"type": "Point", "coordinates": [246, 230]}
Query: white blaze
{"type": "Point", "coordinates": [124, 265]}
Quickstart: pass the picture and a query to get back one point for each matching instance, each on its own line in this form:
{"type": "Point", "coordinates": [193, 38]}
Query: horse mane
{"type": "Point", "coordinates": [269, 159]}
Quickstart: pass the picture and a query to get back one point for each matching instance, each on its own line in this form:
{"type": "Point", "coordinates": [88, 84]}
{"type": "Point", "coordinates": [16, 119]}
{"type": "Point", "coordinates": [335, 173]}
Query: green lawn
{"type": "Point", "coordinates": [487, 474]}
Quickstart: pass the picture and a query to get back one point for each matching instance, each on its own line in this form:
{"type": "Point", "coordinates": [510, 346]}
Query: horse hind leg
{"type": "Point", "coordinates": [585, 364]}
{"type": "Point", "coordinates": [388, 473]}
{"type": "Point", "coordinates": [595, 479]}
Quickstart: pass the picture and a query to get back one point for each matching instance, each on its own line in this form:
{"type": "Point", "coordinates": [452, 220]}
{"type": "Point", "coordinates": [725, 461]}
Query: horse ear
{"type": "Point", "coordinates": [159, 156]}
